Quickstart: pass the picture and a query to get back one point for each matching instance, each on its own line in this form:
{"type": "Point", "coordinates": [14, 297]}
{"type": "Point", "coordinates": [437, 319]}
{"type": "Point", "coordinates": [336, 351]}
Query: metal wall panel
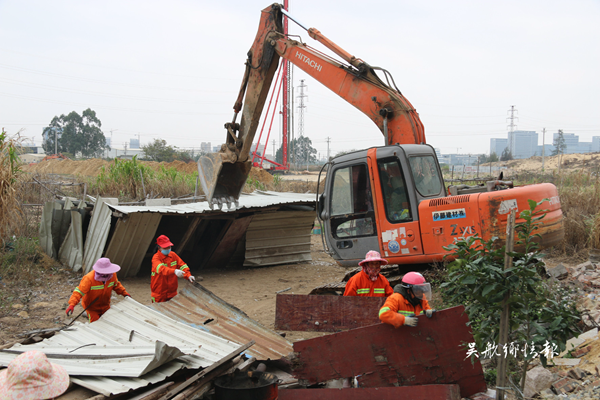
{"type": "Point", "coordinates": [130, 241]}
{"type": "Point", "coordinates": [46, 226]}
{"type": "Point", "coordinates": [71, 250]}
{"type": "Point", "coordinates": [279, 237]}
{"type": "Point", "coordinates": [97, 232]}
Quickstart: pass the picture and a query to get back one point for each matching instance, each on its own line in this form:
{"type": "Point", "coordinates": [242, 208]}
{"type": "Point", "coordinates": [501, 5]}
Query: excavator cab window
{"type": "Point", "coordinates": [425, 174]}
{"type": "Point", "coordinates": [393, 187]}
{"type": "Point", "coordinates": [352, 212]}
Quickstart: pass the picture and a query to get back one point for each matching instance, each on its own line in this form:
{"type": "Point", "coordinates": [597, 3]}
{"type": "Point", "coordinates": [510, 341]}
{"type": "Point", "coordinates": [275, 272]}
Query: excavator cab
{"type": "Point", "coordinates": [371, 201]}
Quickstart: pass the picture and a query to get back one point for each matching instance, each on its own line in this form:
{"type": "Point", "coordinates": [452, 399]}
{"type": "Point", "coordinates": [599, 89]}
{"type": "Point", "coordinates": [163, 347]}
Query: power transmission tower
{"type": "Point", "coordinates": [328, 140]}
{"type": "Point", "coordinates": [301, 108]}
{"type": "Point", "coordinates": [512, 126]}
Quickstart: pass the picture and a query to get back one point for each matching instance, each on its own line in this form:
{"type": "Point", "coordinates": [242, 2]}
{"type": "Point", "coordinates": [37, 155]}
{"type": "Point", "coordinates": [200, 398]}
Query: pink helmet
{"type": "Point", "coordinates": [413, 278]}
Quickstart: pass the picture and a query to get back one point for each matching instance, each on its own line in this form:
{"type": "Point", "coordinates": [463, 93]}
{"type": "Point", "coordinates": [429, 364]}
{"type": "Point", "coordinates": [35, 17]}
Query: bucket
{"type": "Point", "coordinates": [594, 256]}
{"type": "Point", "coordinates": [254, 385]}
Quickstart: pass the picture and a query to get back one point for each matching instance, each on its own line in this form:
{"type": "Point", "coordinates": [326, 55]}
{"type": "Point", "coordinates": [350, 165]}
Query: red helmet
{"type": "Point", "coordinates": [413, 278]}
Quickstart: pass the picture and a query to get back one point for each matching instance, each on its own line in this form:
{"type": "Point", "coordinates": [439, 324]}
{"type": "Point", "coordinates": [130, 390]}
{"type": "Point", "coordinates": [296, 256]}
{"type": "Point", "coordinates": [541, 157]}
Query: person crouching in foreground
{"type": "Point", "coordinates": [369, 282]}
{"type": "Point", "coordinates": [166, 268]}
{"type": "Point", "coordinates": [408, 301]}
{"type": "Point", "coordinates": [96, 288]}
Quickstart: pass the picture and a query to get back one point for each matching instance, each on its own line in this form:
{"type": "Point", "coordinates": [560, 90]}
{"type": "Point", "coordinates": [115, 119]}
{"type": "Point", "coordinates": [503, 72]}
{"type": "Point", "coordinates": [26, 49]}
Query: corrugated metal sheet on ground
{"type": "Point", "coordinates": [196, 305]}
{"type": "Point", "coordinates": [279, 237]}
{"type": "Point", "coordinates": [97, 232]}
{"type": "Point", "coordinates": [132, 237]}
{"type": "Point", "coordinates": [46, 226]}
{"type": "Point", "coordinates": [111, 334]}
{"type": "Point", "coordinates": [253, 200]}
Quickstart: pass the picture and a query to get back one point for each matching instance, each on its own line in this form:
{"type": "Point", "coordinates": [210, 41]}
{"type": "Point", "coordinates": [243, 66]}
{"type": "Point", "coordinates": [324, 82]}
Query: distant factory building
{"type": "Point", "coordinates": [498, 145]}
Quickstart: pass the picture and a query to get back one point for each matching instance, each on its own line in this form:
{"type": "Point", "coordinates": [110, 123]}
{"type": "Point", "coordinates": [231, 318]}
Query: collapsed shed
{"type": "Point", "coordinates": [267, 228]}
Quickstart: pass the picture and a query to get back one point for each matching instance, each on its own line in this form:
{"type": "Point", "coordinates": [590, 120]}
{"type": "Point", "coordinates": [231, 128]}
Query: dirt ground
{"type": "Point", "coordinates": [253, 290]}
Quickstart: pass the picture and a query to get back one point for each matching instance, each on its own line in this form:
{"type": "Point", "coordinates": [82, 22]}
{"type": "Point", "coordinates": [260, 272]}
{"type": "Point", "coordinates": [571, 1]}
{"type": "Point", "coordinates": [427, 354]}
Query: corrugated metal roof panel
{"type": "Point", "coordinates": [97, 232]}
{"type": "Point", "coordinates": [279, 237]}
{"type": "Point", "coordinates": [130, 241]}
{"type": "Point", "coordinates": [257, 199]}
{"type": "Point", "coordinates": [111, 334]}
{"type": "Point", "coordinates": [201, 309]}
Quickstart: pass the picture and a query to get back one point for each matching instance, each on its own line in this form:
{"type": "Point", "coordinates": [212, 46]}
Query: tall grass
{"type": "Point", "coordinates": [11, 215]}
{"type": "Point", "coordinates": [131, 180]}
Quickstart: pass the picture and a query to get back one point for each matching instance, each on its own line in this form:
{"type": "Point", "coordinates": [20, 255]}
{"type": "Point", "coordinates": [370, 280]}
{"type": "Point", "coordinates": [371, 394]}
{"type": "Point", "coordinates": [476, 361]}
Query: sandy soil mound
{"type": "Point", "coordinates": [587, 162]}
{"type": "Point", "coordinates": [261, 175]}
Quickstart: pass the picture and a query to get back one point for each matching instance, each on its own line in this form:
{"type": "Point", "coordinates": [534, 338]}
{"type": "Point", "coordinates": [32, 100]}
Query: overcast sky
{"type": "Point", "coordinates": [172, 69]}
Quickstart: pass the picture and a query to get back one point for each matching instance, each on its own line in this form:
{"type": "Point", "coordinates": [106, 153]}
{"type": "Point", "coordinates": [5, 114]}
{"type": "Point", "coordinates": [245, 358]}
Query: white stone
{"type": "Point", "coordinates": [537, 379]}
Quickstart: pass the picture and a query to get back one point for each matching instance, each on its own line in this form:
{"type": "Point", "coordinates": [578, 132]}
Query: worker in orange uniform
{"type": "Point", "coordinates": [408, 301]}
{"type": "Point", "coordinates": [369, 282]}
{"type": "Point", "coordinates": [166, 268]}
{"type": "Point", "coordinates": [96, 288]}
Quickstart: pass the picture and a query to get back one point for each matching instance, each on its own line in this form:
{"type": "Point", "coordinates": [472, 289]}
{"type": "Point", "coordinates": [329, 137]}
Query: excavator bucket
{"type": "Point", "coordinates": [222, 182]}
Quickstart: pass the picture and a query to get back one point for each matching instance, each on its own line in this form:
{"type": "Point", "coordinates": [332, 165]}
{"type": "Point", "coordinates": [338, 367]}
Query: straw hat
{"type": "Point", "coordinates": [32, 376]}
{"type": "Point", "coordinates": [373, 256]}
{"type": "Point", "coordinates": [104, 266]}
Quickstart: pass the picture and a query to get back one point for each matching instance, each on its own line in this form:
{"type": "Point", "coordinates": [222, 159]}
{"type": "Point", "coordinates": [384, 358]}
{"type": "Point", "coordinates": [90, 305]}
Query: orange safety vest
{"type": "Point", "coordinates": [361, 285]}
{"type": "Point", "coordinates": [90, 289]}
{"type": "Point", "coordinates": [163, 281]}
{"type": "Point", "coordinates": [396, 307]}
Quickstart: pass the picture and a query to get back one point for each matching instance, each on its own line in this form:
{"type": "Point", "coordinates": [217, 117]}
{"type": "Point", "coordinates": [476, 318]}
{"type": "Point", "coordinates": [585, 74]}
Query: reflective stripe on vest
{"type": "Point", "coordinates": [409, 313]}
{"type": "Point", "coordinates": [173, 263]}
{"type": "Point", "coordinates": [111, 284]}
{"type": "Point", "coordinates": [98, 287]}
{"type": "Point", "coordinates": [379, 290]}
{"type": "Point", "coordinates": [79, 291]}
{"type": "Point", "coordinates": [160, 265]}
{"type": "Point", "coordinates": [184, 266]}
{"type": "Point", "coordinates": [384, 309]}
{"type": "Point", "coordinates": [361, 291]}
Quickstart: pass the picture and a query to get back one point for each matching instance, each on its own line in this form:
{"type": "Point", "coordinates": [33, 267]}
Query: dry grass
{"type": "Point", "coordinates": [11, 215]}
{"type": "Point", "coordinates": [580, 202]}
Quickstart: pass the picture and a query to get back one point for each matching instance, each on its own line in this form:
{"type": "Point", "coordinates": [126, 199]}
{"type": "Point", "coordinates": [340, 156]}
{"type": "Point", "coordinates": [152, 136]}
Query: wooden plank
{"type": "Point", "coordinates": [299, 312]}
{"type": "Point", "coordinates": [429, 392]}
{"type": "Point", "coordinates": [382, 356]}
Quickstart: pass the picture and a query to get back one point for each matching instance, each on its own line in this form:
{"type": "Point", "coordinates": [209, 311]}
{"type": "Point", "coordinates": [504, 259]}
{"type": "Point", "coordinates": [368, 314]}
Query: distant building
{"type": "Point", "coordinates": [595, 143]}
{"type": "Point", "coordinates": [205, 147]}
{"type": "Point", "coordinates": [134, 143]}
{"type": "Point", "coordinates": [216, 149]}
{"type": "Point", "coordinates": [498, 145]}
{"type": "Point", "coordinates": [525, 144]}
{"type": "Point", "coordinates": [107, 141]}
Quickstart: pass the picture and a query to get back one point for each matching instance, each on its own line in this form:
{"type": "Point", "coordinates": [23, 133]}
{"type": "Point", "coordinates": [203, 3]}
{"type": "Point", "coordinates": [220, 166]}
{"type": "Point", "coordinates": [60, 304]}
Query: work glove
{"type": "Point", "coordinates": [179, 273]}
{"type": "Point", "coordinates": [428, 313]}
{"type": "Point", "coordinates": [411, 321]}
{"type": "Point", "coordinates": [69, 310]}
{"type": "Point", "coordinates": [191, 278]}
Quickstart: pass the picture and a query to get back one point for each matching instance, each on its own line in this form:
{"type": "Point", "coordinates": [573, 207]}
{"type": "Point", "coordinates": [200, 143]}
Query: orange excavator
{"type": "Point", "coordinates": [391, 198]}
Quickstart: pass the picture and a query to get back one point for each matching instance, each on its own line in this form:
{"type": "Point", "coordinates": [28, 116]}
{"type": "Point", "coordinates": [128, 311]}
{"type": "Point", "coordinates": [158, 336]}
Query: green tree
{"type": "Point", "coordinates": [493, 157]}
{"type": "Point", "coordinates": [77, 134]}
{"type": "Point", "coordinates": [302, 150]}
{"type": "Point", "coordinates": [542, 314]}
{"type": "Point", "coordinates": [559, 144]}
{"type": "Point", "coordinates": [506, 155]}
{"type": "Point", "coordinates": [159, 151]}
